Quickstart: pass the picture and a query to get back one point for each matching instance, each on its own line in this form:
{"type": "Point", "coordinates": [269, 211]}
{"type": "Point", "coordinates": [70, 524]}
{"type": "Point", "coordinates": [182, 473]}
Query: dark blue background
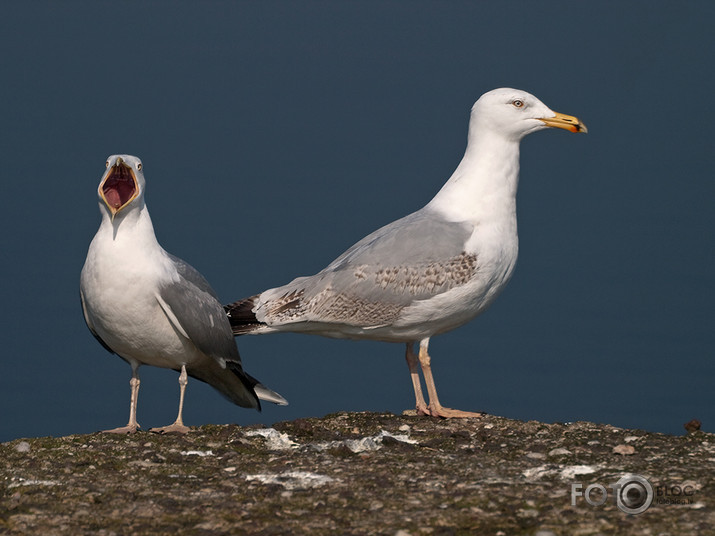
{"type": "Point", "coordinates": [276, 134]}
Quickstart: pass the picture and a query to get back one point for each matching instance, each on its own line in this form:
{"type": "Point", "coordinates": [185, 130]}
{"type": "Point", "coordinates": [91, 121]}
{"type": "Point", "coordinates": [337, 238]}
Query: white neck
{"type": "Point", "coordinates": [483, 186]}
{"type": "Point", "coordinates": [131, 228]}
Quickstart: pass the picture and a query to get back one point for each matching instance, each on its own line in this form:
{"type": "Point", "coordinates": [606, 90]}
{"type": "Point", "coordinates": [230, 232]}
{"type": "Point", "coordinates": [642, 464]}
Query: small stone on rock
{"type": "Point", "coordinates": [692, 426]}
{"type": "Point", "coordinates": [559, 452]}
{"type": "Point", "coordinates": [536, 455]}
{"type": "Point", "coordinates": [376, 505]}
{"type": "Point", "coordinates": [625, 450]}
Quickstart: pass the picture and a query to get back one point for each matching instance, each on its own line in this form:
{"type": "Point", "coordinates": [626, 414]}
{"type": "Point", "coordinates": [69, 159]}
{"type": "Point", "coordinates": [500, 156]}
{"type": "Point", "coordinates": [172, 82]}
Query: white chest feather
{"type": "Point", "coordinates": [120, 284]}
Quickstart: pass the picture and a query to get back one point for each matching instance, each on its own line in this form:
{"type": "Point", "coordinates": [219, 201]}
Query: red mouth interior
{"type": "Point", "coordinates": [119, 186]}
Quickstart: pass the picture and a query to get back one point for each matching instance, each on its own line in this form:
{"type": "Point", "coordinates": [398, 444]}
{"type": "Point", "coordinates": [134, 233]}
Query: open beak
{"type": "Point", "coordinates": [119, 187]}
{"type": "Point", "coordinates": [567, 122]}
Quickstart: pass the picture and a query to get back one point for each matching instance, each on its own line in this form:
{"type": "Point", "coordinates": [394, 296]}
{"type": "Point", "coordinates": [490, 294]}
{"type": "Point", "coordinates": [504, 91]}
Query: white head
{"type": "Point", "coordinates": [514, 113]}
{"type": "Point", "coordinates": [122, 184]}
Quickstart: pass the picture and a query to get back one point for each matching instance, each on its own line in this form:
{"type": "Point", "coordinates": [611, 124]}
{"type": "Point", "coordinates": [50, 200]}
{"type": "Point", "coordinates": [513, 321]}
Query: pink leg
{"type": "Point", "coordinates": [178, 426]}
{"type": "Point", "coordinates": [133, 425]}
{"type": "Point", "coordinates": [411, 358]}
{"type": "Point", "coordinates": [435, 408]}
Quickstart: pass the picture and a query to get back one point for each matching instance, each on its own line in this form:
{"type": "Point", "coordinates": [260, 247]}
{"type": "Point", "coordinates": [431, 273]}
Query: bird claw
{"type": "Point", "coordinates": [175, 428]}
{"type": "Point", "coordinates": [448, 413]}
{"type": "Point", "coordinates": [128, 429]}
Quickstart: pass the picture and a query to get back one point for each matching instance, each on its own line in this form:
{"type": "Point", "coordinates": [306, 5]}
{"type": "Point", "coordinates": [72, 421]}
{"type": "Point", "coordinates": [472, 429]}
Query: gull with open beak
{"type": "Point", "coordinates": [430, 271]}
{"type": "Point", "coordinates": [152, 308]}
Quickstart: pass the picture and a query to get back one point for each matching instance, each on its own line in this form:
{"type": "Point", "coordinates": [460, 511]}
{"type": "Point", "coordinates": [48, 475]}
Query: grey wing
{"type": "Point", "coordinates": [421, 237]}
{"type": "Point", "coordinates": [196, 312]}
{"type": "Point", "coordinates": [414, 258]}
{"type": "Point", "coordinates": [192, 275]}
{"type": "Point", "coordinates": [89, 324]}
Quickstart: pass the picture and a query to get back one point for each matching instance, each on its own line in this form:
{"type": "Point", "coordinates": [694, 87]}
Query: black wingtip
{"type": "Point", "coordinates": [241, 316]}
{"type": "Point", "coordinates": [249, 382]}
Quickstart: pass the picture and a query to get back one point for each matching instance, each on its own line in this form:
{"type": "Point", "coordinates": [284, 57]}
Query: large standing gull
{"type": "Point", "coordinates": [152, 308]}
{"type": "Point", "coordinates": [430, 271]}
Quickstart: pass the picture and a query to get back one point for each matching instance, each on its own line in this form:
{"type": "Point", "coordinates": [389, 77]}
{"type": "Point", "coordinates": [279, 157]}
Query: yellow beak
{"type": "Point", "coordinates": [567, 122]}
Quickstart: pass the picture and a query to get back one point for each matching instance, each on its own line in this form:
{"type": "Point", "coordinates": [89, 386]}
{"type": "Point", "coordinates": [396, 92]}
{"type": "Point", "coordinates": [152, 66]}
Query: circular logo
{"type": "Point", "coordinates": [634, 494]}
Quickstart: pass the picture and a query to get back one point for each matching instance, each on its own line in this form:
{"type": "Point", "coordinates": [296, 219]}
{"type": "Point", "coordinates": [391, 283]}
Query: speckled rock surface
{"type": "Point", "coordinates": [358, 473]}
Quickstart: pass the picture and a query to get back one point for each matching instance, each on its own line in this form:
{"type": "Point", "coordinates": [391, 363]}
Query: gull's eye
{"type": "Point", "coordinates": [517, 103]}
{"type": "Point", "coordinates": [106, 164]}
{"type": "Point", "coordinates": [139, 166]}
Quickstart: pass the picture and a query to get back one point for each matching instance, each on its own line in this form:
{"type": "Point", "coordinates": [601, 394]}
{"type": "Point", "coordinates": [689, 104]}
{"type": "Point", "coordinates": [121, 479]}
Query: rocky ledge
{"type": "Point", "coordinates": [363, 473]}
